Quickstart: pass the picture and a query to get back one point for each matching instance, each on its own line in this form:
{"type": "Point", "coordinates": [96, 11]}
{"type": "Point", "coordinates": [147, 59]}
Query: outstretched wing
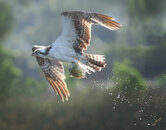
{"type": "Point", "coordinates": [54, 73]}
{"type": "Point", "coordinates": [77, 26]}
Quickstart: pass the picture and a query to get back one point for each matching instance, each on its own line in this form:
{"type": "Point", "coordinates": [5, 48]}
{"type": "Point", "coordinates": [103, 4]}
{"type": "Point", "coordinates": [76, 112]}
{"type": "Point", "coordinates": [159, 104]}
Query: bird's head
{"type": "Point", "coordinates": [40, 51]}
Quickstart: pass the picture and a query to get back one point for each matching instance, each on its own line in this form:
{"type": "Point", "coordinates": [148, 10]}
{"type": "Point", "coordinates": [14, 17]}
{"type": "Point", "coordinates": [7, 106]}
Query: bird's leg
{"type": "Point", "coordinates": [70, 69]}
{"type": "Point", "coordinates": [82, 59]}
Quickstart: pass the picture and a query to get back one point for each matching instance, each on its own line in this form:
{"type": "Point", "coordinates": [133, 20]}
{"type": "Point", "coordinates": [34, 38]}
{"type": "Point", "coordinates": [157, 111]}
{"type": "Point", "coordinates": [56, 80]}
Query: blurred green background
{"type": "Point", "coordinates": [129, 94]}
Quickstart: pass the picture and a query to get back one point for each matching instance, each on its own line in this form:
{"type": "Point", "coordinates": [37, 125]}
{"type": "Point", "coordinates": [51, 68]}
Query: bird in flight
{"type": "Point", "coordinates": [69, 47]}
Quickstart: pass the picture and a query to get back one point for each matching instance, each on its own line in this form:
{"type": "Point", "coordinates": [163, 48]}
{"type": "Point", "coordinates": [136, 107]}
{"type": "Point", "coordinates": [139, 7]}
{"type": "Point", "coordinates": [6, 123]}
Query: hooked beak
{"type": "Point", "coordinates": [33, 54]}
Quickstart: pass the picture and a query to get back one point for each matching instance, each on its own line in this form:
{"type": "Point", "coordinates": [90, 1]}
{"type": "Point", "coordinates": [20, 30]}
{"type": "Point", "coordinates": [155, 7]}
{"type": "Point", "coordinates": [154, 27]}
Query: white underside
{"type": "Point", "coordinates": [62, 48]}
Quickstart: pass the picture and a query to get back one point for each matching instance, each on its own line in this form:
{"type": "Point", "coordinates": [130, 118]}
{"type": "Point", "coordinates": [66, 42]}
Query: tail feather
{"type": "Point", "coordinates": [90, 63]}
{"type": "Point", "coordinates": [96, 68]}
{"type": "Point", "coordinates": [97, 62]}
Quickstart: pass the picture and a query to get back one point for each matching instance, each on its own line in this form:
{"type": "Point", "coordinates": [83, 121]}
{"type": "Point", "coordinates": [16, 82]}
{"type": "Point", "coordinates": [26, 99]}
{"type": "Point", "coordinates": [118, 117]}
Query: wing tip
{"type": "Point", "coordinates": [106, 21]}
{"type": "Point", "coordinates": [59, 89]}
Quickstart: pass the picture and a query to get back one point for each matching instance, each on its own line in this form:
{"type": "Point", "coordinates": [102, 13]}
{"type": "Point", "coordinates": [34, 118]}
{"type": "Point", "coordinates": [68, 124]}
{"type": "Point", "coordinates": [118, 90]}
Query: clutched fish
{"type": "Point", "coordinates": [77, 72]}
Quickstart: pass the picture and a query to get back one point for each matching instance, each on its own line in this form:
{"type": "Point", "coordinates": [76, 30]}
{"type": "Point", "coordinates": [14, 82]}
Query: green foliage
{"type": "Point", "coordinates": [161, 81]}
{"type": "Point", "coordinates": [32, 86]}
{"type": "Point", "coordinates": [127, 78]}
{"type": "Point", "coordinates": [149, 61]}
{"type": "Point", "coordinates": [28, 87]}
{"type": "Point", "coordinates": [95, 110]}
{"type": "Point", "coordinates": [143, 8]}
{"type": "Point", "coordinates": [8, 74]}
{"type": "Point", "coordinates": [5, 19]}
{"type": "Point", "coordinates": [146, 21]}
{"type": "Point", "coordinates": [154, 61]}
{"type": "Point", "coordinates": [10, 82]}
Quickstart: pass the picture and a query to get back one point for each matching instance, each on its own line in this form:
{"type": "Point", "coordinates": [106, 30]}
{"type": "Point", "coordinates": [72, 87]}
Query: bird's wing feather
{"type": "Point", "coordinates": [77, 27]}
{"type": "Point", "coordinates": [54, 73]}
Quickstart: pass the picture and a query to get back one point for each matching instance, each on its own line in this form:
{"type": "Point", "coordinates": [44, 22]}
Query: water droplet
{"type": "Point", "coordinates": [118, 95]}
{"type": "Point", "coordinates": [130, 105]}
{"type": "Point", "coordinates": [141, 110]}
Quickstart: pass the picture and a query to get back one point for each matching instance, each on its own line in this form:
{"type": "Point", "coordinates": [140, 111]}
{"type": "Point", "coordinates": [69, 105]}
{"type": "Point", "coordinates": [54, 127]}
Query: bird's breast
{"type": "Point", "coordinates": [62, 52]}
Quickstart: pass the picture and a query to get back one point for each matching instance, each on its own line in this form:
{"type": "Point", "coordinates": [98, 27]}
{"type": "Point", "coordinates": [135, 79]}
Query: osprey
{"type": "Point", "coordinates": [69, 47]}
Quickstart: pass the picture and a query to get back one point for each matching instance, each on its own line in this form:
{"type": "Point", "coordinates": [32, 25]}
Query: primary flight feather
{"type": "Point", "coordinates": [69, 47]}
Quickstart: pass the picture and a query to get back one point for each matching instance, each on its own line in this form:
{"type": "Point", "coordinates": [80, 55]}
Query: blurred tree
{"type": "Point", "coordinates": [127, 78]}
{"type": "Point", "coordinates": [149, 61]}
{"type": "Point", "coordinates": [146, 21]}
{"type": "Point", "coordinates": [153, 61]}
{"type": "Point", "coordinates": [144, 8]}
{"type": "Point", "coordinates": [161, 81]}
{"type": "Point", "coordinates": [8, 73]}
{"type": "Point", "coordinates": [5, 19]}
{"type": "Point", "coordinates": [28, 86]}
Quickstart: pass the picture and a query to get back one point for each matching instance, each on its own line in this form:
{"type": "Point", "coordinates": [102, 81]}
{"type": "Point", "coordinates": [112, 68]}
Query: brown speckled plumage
{"type": "Point", "coordinates": [54, 73]}
{"type": "Point", "coordinates": [82, 22]}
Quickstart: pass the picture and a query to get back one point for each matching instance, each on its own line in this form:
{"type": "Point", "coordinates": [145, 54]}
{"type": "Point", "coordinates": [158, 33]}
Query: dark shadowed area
{"type": "Point", "coordinates": [129, 94]}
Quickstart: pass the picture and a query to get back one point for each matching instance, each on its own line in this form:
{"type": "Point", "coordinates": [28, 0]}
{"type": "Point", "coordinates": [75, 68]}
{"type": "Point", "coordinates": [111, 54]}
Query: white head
{"type": "Point", "coordinates": [41, 51]}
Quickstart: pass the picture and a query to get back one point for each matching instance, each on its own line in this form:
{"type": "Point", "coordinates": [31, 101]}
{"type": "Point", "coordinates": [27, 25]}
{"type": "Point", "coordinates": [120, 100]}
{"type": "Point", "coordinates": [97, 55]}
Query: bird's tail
{"type": "Point", "coordinates": [88, 63]}
{"type": "Point", "coordinates": [97, 62]}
